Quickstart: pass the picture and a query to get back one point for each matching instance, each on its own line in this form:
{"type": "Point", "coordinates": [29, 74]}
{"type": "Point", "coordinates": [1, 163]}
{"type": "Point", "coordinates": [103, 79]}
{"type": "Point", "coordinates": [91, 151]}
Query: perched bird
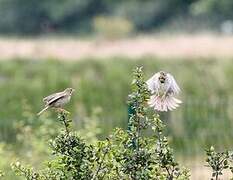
{"type": "Point", "coordinates": [163, 88]}
{"type": "Point", "coordinates": [57, 100]}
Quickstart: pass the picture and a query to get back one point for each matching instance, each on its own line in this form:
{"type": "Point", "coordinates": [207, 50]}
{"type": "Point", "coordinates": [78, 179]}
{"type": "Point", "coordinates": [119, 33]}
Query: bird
{"type": "Point", "coordinates": [163, 88]}
{"type": "Point", "coordinates": [57, 100]}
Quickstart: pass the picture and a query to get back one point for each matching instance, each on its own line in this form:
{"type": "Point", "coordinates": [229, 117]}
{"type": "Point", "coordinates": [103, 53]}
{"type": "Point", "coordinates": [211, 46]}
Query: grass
{"type": "Point", "coordinates": [204, 118]}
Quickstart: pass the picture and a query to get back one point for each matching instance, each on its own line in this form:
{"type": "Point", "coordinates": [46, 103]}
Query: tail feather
{"type": "Point", "coordinates": [177, 101]}
{"type": "Point", "coordinates": [173, 103]}
{"type": "Point", "coordinates": [153, 101]}
{"type": "Point", "coordinates": [39, 113]}
{"type": "Point", "coordinates": [163, 104]}
{"type": "Point", "coordinates": [160, 104]}
{"type": "Point", "coordinates": [169, 104]}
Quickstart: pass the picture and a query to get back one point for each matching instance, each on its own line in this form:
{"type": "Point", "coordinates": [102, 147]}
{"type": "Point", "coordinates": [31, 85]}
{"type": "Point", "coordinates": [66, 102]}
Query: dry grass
{"type": "Point", "coordinates": [184, 46]}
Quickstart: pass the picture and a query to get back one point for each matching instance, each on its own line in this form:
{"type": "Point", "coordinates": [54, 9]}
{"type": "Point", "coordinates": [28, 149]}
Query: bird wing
{"type": "Point", "coordinates": [48, 98]}
{"type": "Point", "coordinates": [153, 83]}
{"type": "Point", "coordinates": [172, 84]}
{"type": "Point", "coordinates": [56, 98]}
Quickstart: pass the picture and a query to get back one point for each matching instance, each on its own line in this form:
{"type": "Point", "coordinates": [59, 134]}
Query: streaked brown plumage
{"type": "Point", "coordinates": [57, 100]}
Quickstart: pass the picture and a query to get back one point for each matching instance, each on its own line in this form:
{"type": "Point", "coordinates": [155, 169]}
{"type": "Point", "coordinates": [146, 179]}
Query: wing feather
{"type": "Point", "coordinates": [56, 98]}
{"type": "Point", "coordinates": [50, 97]}
{"type": "Point", "coordinates": [173, 85]}
{"type": "Point", "coordinates": [153, 83]}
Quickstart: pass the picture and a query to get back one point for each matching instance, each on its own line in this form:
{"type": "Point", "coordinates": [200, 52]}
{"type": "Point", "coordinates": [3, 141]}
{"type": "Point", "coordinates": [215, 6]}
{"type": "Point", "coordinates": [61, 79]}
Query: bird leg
{"type": "Point", "coordinates": [164, 96]}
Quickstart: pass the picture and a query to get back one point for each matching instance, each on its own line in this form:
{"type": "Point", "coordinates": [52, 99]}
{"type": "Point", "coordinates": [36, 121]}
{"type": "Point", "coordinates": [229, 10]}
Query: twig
{"type": "Point", "coordinates": [169, 174]}
{"type": "Point", "coordinates": [100, 166]}
{"type": "Point", "coordinates": [65, 123]}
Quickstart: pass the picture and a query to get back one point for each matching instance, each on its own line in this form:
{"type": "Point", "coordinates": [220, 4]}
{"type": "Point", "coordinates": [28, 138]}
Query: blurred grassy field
{"type": "Point", "coordinates": [204, 118]}
{"type": "Point", "coordinates": [102, 85]}
{"type": "Point", "coordinates": [164, 45]}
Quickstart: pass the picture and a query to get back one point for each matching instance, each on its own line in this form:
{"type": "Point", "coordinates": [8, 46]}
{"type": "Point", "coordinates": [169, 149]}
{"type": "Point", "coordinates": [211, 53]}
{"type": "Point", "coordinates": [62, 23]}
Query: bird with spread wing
{"type": "Point", "coordinates": [57, 100]}
{"type": "Point", "coordinates": [163, 87]}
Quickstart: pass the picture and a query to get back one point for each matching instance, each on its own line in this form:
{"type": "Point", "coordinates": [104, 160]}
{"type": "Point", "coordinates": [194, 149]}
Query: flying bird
{"type": "Point", "coordinates": [163, 87]}
{"type": "Point", "coordinates": [57, 100]}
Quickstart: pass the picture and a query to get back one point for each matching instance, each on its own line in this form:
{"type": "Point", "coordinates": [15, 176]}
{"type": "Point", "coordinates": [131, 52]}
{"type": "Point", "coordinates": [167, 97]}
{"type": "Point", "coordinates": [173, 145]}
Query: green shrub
{"type": "Point", "coordinates": [219, 161]}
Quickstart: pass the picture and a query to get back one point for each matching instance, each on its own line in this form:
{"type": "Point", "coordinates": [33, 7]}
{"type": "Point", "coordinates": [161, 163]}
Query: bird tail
{"type": "Point", "coordinates": [164, 104]}
{"type": "Point", "coordinates": [39, 113]}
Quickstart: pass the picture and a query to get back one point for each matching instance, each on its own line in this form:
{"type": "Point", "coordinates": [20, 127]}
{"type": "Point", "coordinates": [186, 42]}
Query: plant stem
{"type": "Point", "coordinates": [216, 176]}
{"type": "Point", "coordinates": [65, 123]}
{"type": "Point", "coordinates": [138, 132]}
{"type": "Point", "coordinates": [170, 176]}
{"type": "Point", "coordinates": [100, 166]}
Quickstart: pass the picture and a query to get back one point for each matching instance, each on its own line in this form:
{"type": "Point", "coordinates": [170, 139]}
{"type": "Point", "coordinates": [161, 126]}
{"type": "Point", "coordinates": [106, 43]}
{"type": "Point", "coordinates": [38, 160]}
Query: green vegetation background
{"type": "Point", "coordinates": [204, 118]}
{"type": "Point", "coordinates": [30, 17]}
{"type": "Point", "coordinates": [99, 103]}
